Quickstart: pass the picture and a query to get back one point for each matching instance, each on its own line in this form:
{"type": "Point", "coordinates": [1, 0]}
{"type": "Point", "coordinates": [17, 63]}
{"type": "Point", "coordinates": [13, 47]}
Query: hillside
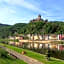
{"type": "Point", "coordinates": [39, 27]}
{"type": "Point", "coordinates": [4, 24]}
{"type": "Point", "coordinates": [7, 30]}
{"type": "Point", "coordinates": [4, 30]}
{"type": "Point", "coordinates": [44, 28]}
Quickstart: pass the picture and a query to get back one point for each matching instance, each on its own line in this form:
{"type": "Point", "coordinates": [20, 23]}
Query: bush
{"type": "Point", "coordinates": [57, 54]}
{"type": "Point", "coordinates": [3, 53]}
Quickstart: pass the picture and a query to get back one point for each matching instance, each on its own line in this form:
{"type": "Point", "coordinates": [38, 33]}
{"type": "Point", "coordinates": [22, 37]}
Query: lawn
{"type": "Point", "coordinates": [5, 58]}
{"type": "Point", "coordinates": [11, 61]}
{"type": "Point", "coordinates": [37, 56]}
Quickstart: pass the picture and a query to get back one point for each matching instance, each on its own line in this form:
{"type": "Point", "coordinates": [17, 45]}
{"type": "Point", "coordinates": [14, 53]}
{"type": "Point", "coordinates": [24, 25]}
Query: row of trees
{"type": "Point", "coordinates": [40, 27]}
{"type": "Point", "coordinates": [43, 28]}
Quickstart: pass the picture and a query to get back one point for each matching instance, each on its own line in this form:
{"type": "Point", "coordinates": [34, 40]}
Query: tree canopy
{"type": "Point", "coordinates": [39, 27]}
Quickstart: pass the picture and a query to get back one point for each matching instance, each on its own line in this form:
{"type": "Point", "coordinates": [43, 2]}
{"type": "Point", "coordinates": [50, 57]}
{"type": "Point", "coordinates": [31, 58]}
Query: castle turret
{"type": "Point", "coordinates": [39, 17]}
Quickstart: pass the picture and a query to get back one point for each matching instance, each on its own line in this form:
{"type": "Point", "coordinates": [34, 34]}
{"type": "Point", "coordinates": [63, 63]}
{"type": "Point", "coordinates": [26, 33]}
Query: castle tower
{"type": "Point", "coordinates": [39, 17]}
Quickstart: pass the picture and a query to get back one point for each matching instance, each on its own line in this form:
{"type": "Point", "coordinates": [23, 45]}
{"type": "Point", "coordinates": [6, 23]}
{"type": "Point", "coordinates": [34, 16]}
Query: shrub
{"type": "Point", "coordinates": [57, 54]}
{"type": "Point", "coordinates": [3, 53]}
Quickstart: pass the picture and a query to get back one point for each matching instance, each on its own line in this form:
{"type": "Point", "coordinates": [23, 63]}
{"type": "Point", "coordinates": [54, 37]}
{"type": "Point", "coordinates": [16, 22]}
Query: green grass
{"type": "Point", "coordinates": [11, 61]}
{"type": "Point", "coordinates": [37, 56]}
{"type": "Point", "coordinates": [7, 59]}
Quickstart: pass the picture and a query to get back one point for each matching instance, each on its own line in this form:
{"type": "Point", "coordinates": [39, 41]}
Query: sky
{"type": "Point", "coordinates": [22, 11]}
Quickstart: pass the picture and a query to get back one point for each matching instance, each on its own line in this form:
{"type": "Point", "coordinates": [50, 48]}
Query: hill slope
{"type": "Point", "coordinates": [32, 28]}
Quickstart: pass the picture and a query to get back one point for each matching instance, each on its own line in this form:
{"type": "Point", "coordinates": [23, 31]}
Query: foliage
{"type": "Point", "coordinates": [3, 53]}
{"type": "Point", "coordinates": [42, 28]}
{"type": "Point", "coordinates": [17, 28]}
{"type": "Point", "coordinates": [4, 31]}
{"type": "Point", "coordinates": [39, 27]}
{"type": "Point", "coordinates": [57, 54]}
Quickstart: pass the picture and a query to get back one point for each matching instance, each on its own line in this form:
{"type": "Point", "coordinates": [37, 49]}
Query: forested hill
{"type": "Point", "coordinates": [7, 30]}
{"type": "Point", "coordinates": [32, 28]}
{"type": "Point", "coordinates": [4, 24]}
{"type": "Point", "coordinates": [4, 29]}
{"type": "Point", "coordinates": [43, 28]}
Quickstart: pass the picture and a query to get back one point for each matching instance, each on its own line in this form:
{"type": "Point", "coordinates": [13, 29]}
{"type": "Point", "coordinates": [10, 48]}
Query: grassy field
{"type": "Point", "coordinates": [37, 56]}
{"type": "Point", "coordinates": [11, 61]}
{"type": "Point", "coordinates": [8, 59]}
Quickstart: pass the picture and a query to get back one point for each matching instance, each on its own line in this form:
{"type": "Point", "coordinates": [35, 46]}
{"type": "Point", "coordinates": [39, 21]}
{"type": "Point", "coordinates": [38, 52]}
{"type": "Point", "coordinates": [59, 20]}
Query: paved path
{"type": "Point", "coordinates": [22, 57]}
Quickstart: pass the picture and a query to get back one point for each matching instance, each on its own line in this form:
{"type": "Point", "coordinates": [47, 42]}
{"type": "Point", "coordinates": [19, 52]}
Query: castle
{"type": "Point", "coordinates": [37, 19]}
